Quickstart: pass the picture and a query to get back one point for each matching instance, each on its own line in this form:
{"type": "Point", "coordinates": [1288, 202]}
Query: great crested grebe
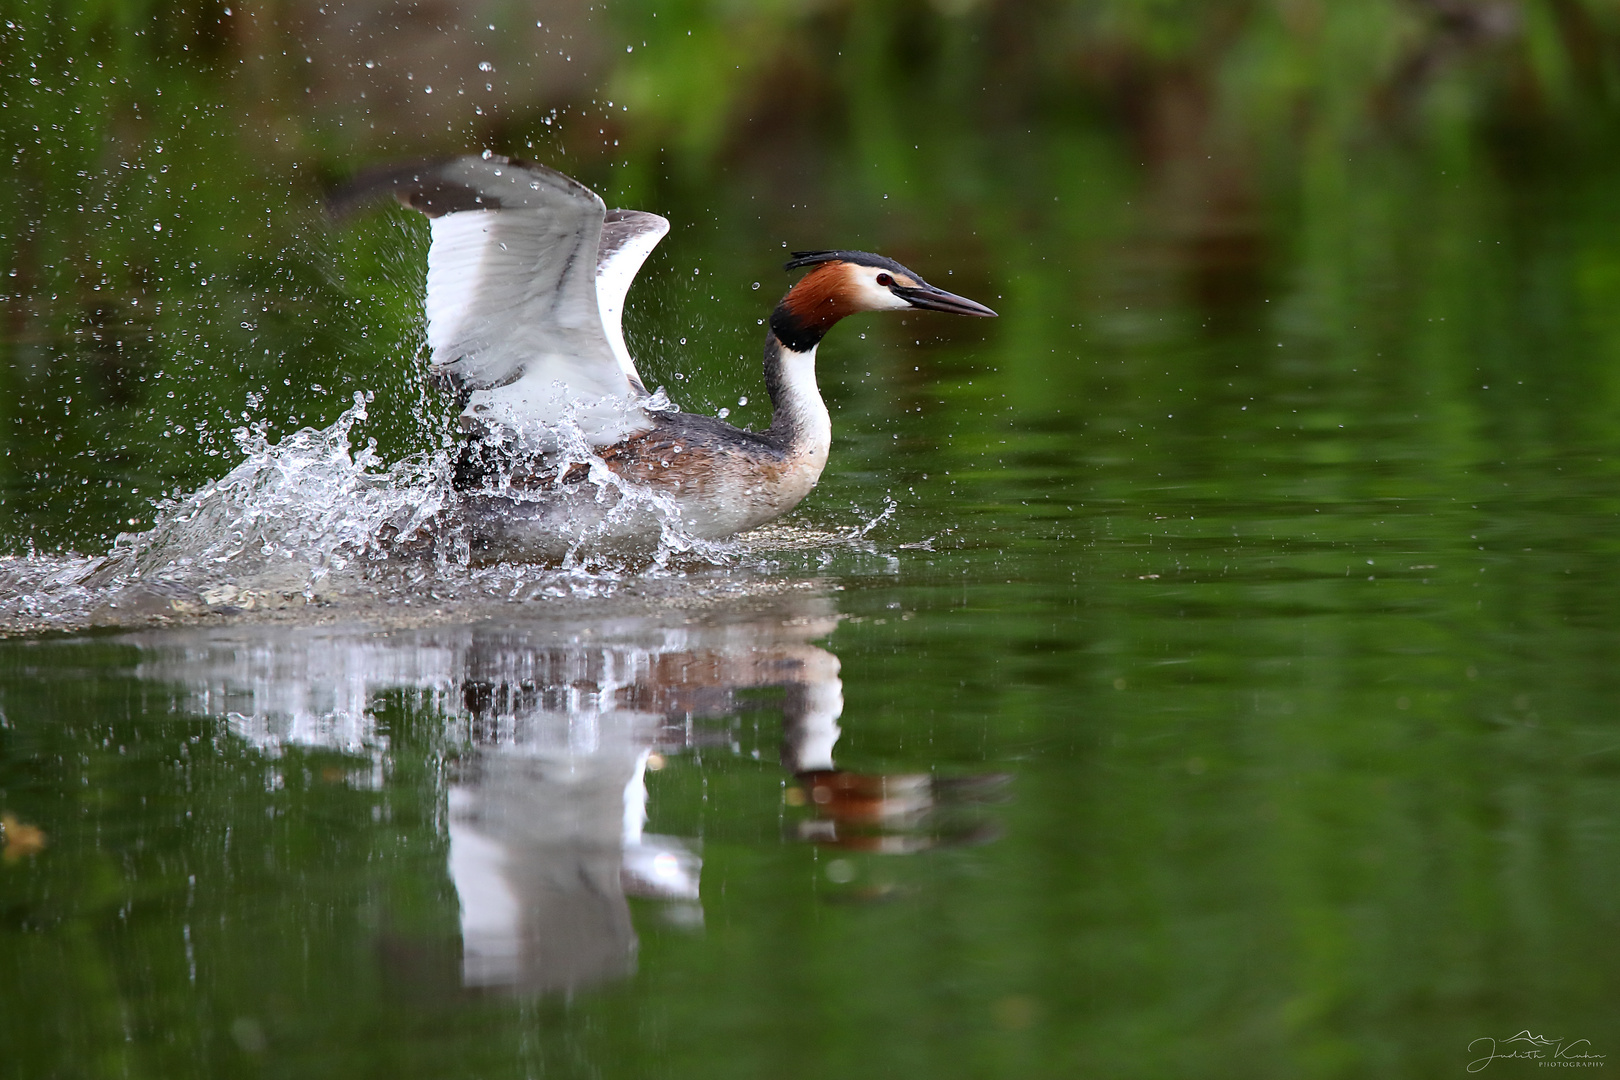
{"type": "Point", "coordinates": [527, 276]}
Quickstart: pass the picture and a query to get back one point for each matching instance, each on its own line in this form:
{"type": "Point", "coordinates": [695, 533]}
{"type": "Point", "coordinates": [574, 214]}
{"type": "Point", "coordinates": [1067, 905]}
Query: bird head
{"type": "Point", "coordinates": [843, 283]}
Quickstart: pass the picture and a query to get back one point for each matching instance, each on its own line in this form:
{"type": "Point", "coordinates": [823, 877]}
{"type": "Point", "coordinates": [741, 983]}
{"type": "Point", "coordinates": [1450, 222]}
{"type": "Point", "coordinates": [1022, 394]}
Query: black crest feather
{"type": "Point", "coordinates": [802, 259]}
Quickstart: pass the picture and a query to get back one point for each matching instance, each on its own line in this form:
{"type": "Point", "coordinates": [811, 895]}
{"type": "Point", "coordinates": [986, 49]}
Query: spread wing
{"type": "Point", "coordinates": [516, 322]}
{"type": "Point", "coordinates": [628, 237]}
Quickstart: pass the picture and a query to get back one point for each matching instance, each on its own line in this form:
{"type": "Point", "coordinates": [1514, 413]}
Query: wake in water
{"type": "Point", "coordinates": [310, 521]}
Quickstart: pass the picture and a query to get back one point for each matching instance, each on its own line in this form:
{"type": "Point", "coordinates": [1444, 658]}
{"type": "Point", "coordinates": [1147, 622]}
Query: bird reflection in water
{"type": "Point", "coordinates": [553, 728]}
{"type": "Point", "coordinates": [897, 813]}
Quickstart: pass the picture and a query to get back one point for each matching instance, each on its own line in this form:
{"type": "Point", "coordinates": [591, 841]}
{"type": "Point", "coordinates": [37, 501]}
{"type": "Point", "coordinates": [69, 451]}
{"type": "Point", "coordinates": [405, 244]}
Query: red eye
{"type": "Point", "coordinates": [885, 280]}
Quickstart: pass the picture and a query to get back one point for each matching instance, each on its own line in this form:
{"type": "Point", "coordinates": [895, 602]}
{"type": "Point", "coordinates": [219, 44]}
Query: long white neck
{"type": "Point", "coordinates": [799, 419]}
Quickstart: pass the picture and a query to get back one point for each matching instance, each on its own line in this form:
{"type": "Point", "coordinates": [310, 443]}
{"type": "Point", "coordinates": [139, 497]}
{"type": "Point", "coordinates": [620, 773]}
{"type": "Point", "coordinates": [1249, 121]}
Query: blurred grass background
{"type": "Point", "coordinates": [1287, 289]}
{"type": "Point", "coordinates": [1119, 177]}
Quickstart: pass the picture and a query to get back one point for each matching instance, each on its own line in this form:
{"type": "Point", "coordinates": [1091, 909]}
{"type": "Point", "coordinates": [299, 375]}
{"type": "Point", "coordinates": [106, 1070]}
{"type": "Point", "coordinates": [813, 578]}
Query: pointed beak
{"type": "Point", "coordinates": [931, 299]}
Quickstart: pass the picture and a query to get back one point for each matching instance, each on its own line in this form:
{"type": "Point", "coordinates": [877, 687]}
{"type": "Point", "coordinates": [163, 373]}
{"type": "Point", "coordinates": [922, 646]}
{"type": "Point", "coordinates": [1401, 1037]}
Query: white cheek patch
{"type": "Point", "coordinates": [869, 295]}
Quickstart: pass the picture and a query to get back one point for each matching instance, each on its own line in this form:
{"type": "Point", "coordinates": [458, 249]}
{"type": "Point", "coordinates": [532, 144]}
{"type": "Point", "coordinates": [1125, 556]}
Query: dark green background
{"type": "Point", "coordinates": [1273, 526]}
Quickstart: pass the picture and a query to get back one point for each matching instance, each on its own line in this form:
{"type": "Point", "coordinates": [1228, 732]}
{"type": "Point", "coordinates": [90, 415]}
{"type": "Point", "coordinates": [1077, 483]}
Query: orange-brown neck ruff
{"type": "Point", "coordinates": [822, 297]}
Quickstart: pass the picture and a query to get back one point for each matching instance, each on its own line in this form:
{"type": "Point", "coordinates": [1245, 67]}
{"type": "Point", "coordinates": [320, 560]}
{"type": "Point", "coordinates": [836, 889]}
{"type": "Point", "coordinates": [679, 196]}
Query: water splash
{"type": "Point", "coordinates": [289, 518]}
{"type": "Point", "coordinates": [312, 521]}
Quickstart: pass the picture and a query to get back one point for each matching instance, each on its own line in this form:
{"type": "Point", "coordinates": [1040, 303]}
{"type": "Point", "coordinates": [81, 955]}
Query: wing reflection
{"type": "Point", "coordinates": [550, 729]}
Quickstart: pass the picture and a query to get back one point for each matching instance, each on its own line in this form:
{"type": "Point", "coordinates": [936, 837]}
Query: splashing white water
{"type": "Point", "coordinates": [301, 519]}
{"type": "Point", "coordinates": [290, 517]}
{"type": "Point", "coordinates": [312, 521]}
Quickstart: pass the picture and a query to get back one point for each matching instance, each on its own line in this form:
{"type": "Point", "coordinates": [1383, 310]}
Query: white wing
{"type": "Point", "coordinates": [628, 237]}
{"type": "Point", "coordinates": [514, 318]}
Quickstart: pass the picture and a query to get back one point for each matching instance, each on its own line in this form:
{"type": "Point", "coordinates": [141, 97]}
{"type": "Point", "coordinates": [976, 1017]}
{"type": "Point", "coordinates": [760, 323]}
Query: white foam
{"type": "Point", "coordinates": [313, 521]}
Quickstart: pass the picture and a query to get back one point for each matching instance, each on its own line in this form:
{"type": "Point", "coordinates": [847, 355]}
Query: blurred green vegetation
{"type": "Point", "coordinates": [167, 269]}
{"type": "Point", "coordinates": [1302, 404]}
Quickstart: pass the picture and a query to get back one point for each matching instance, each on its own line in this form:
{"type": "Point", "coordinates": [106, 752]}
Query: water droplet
{"type": "Point", "coordinates": [485, 65]}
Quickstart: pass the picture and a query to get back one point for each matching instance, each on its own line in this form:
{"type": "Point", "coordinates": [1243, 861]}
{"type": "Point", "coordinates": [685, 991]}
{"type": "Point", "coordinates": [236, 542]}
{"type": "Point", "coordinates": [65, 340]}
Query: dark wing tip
{"type": "Point", "coordinates": [420, 185]}
{"type": "Point", "coordinates": [369, 185]}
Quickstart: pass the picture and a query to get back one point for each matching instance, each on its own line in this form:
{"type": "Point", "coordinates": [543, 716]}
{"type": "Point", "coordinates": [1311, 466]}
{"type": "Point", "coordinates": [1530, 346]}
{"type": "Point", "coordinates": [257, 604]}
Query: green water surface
{"type": "Point", "coordinates": [1250, 591]}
